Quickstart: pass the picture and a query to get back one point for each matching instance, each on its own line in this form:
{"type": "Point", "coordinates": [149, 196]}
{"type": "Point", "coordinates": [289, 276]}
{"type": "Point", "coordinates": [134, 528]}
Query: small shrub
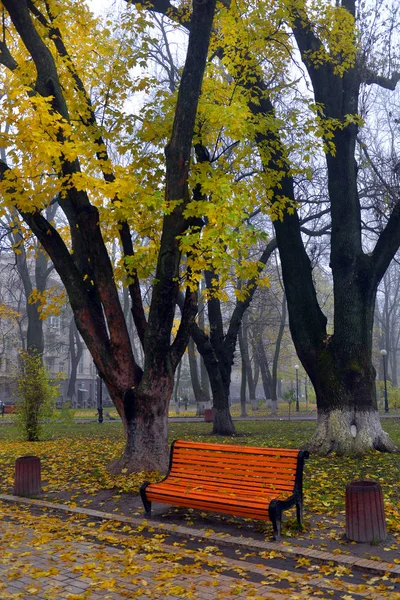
{"type": "Point", "coordinates": [35, 396]}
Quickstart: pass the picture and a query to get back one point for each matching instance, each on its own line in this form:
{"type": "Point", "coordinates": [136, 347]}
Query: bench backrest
{"type": "Point", "coordinates": [253, 468]}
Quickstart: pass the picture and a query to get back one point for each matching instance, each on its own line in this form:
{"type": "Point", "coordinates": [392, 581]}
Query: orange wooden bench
{"type": "Point", "coordinates": [244, 481]}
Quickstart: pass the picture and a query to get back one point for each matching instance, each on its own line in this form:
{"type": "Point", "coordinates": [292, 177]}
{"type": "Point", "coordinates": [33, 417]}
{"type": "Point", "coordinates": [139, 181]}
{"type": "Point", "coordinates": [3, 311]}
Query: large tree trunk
{"type": "Point", "coordinates": [222, 424]}
{"type": "Point", "coordinates": [340, 365]}
{"type": "Point", "coordinates": [75, 353]}
{"type": "Point", "coordinates": [344, 376]}
{"type": "Point", "coordinates": [274, 378]}
{"type": "Point", "coordinates": [199, 395]}
{"type": "Point", "coordinates": [146, 406]}
{"type": "Point", "coordinates": [146, 425]}
{"type": "Point", "coordinates": [34, 334]}
{"type": "Point", "coordinates": [243, 380]}
{"type": "Point", "coordinates": [349, 431]}
{"type": "Point", "coordinates": [264, 368]}
{"type": "Point", "coordinates": [348, 418]}
{"type": "Point", "coordinates": [204, 379]}
{"type": "Point", "coordinates": [246, 362]}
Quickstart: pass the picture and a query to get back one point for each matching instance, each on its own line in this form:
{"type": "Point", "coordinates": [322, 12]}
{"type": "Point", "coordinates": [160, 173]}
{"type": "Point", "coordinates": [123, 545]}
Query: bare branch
{"type": "Point", "coordinates": [317, 232]}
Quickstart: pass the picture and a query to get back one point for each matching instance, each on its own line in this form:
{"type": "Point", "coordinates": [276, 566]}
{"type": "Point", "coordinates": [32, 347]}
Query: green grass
{"type": "Point", "coordinates": [283, 411]}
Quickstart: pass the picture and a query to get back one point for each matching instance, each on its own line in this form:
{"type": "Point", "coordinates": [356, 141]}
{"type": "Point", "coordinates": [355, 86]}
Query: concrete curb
{"type": "Point", "coordinates": [349, 561]}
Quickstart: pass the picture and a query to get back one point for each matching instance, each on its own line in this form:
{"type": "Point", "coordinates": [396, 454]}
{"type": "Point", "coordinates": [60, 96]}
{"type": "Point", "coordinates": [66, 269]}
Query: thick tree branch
{"type": "Point", "coordinates": [384, 82]}
{"type": "Point", "coordinates": [317, 232]}
{"type": "Point", "coordinates": [189, 311]}
{"type": "Point", "coordinates": [5, 57]}
{"type": "Point", "coordinates": [387, 245]}
{"type": "Point", "coordinates": [83, 292]}
{"type": "Point", "coordinates": [135, 293]}
{"type": "Point", "coordinates": [307, 321]}
{"type": "Point", "coordinates": [47, 82]}
{"type": "Point", "coordinates": [164, 7]}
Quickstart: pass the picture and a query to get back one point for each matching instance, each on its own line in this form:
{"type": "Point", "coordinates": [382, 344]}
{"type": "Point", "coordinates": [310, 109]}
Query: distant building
{"type": "Point", "coordinates": [56, 357]}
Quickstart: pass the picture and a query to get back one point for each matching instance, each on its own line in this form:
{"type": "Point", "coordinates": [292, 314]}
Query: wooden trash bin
{"type": "Point", "coordinates": [27, 480]}
{"type": "Point", "coordinates": [365, 516]}
{"type": "Point", "coordinates": [209, 415]}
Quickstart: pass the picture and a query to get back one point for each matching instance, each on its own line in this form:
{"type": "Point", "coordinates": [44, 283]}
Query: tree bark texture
{"type": "Point", "coordinates": [75, 353]}
{"type": "Point", "coordinates": [204, 379]}
{"type": "Point", "coordinates": [243, 380]}
{"type": "Point", "coordinates": [246, 362]}
{"type": "Point", "coordinates": [264, 368]}
{"type": "Point", "coordinates": [199, 395]}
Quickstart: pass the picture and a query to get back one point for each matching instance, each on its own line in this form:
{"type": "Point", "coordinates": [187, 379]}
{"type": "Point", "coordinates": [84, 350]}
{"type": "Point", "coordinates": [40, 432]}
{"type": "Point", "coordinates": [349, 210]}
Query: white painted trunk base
{"type": "Point", "coordinates": [349, 432]}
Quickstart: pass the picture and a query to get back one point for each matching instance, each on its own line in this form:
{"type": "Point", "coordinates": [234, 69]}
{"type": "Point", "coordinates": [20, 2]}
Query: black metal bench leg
{"type": "Point", "coordinates": [146, 503]}
{"type": "Point", "coordinates": [275, 515]}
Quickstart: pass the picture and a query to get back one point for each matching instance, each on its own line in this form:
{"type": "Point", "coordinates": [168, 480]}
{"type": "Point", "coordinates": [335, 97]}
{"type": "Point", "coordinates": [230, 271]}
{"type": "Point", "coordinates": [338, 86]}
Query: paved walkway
{"type": "Point", "coordinates": [51, 552]}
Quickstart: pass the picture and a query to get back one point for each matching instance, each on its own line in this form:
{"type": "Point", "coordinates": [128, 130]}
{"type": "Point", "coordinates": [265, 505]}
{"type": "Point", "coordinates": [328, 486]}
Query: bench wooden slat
{"type": "Point", "coordinates": [230, 450]}
{"type": "Point", "coordinates": [242, 467]}
{"type": "Point", "coordinates": [234, 458]}
{"type": "Point", "coordinates": [235, 471]}
{"type": "Point", "coordinates": [229, 474]}
{"type": "Point", "coordinates": [216, 498]}
{"type": "Point", "coordinates": [232, 481]}
{"type": "Point", "coordinates": [235, 496]}
{"type": "Point", "coordinates": [261, 473]}
{"type": "Point", "coordinates": [193, 454]}
{"type": "Point", "coordinates": [258, 450]}
{"type": "Point", "coordinates": [245, 481]}
{"type": "Point", "coordinates": [199, 491]}
{"type": "Point", "coordinates": [184, 483]}
{"type": "Point", "coordinates": [250, 466]}
{"type": "Point", "coordinates": [220, 508]}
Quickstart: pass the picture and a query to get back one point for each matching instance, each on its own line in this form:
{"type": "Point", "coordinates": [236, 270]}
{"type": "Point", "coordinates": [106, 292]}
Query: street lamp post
{"type": "Point", "coordinates": [383, 354]}
{"type": "Point", "coordinates": [297, 387]}
{"type": "Point", "coordinates": [99, 397]}
{"type": "Point", "coordinates": [306, 391]}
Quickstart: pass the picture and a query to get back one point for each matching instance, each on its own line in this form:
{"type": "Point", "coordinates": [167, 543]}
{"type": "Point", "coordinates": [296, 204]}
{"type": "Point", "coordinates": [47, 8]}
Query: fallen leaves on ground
{"type": "Point", "coordinates": [74, 464]}
{"type": "Point", "coordinates": [106, 562]}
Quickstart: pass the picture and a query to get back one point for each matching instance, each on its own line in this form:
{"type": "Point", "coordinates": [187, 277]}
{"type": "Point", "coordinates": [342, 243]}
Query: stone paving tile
{"type": "Point", "coordinates": [148, 583]}
{"type": "Point", "coordinates": [201, 536]}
